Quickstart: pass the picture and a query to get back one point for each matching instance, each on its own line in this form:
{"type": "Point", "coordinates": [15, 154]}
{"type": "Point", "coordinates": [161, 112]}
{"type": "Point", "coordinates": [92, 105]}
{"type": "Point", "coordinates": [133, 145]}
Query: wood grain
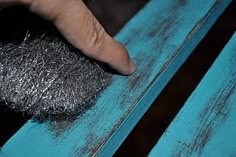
{"type": "Point", "coordinates": [159, 39]}
{"type": "Point", "coordinates": [205, 126]}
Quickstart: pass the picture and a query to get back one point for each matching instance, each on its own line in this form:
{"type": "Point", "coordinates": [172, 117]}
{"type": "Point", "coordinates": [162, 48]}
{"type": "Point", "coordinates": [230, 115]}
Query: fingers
{"type": "Point", "coordinates": [78, 25]}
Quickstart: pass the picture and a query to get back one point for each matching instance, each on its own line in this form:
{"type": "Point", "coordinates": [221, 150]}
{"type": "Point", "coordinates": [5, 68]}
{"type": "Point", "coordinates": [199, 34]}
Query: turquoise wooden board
{"type": "Point", "coordinates": [205, 126]}
{"type": "Point", "coordinates": [159, 39]}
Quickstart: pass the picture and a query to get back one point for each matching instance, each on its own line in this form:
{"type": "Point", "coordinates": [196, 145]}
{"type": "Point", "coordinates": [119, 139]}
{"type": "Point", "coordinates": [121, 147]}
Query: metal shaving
{"type": "Point", "coordinates": [45, 76]}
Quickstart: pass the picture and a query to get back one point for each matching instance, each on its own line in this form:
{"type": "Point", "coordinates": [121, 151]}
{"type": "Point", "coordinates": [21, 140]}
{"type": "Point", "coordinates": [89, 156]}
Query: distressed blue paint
{"type": "Point", "coordinates": [205, 126]}
{"type": "Point", "coordinates": [159, 38]}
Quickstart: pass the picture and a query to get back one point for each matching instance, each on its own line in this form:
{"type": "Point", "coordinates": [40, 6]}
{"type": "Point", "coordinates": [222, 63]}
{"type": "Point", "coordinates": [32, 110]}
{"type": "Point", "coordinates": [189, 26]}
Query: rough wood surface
{"type": "Point", "coordinates": [206, 124]}
{"type": "Point", "coordinates": [159, 38]}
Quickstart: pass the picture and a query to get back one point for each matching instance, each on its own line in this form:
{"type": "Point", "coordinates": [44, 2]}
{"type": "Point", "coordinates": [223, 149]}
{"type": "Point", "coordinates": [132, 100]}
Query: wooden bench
{"type": "Point", "coordinates": [159, 38]}
{"type": "Point", "coordinates": [205, 126]}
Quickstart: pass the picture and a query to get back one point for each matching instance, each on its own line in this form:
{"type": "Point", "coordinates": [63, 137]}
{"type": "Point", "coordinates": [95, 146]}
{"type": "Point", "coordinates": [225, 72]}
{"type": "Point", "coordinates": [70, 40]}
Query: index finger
{"type": "Point", "coordinates": [79, 26]}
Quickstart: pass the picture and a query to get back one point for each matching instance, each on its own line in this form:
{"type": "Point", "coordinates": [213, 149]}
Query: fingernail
{"type": "Point", "coordinates": [132, 67]}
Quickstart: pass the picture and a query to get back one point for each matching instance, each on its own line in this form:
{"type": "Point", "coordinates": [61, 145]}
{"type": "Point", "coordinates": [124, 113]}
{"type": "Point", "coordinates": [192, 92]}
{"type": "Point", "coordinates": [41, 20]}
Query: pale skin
{"type": "Point", "coordinates": [79, 26]}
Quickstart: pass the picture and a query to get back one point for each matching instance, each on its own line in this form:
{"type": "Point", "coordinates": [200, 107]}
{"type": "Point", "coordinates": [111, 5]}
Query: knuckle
{"type": "Point", "coordinates": [96, 39]}
{"type": "Point", "coordinates": [46, 9]}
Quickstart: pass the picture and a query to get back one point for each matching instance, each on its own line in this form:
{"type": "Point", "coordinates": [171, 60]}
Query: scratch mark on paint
{"type": "Point", "coordinates": [211, 118]}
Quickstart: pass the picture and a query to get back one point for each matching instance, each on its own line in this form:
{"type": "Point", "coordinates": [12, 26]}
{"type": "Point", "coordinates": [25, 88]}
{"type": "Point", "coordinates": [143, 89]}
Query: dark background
{"type": "Point", "coordinates": [113, 14]}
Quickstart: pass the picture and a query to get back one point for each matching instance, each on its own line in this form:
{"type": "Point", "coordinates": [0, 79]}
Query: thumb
{"type": "Point", "coordinates": [79, 26]}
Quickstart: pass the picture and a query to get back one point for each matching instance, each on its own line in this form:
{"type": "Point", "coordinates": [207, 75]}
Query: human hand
{"type": "Point", "coordinates": [79, 26]}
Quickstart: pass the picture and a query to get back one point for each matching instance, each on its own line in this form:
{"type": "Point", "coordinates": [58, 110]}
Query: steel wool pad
{"type": "Point", "coordinates": [46, 76]}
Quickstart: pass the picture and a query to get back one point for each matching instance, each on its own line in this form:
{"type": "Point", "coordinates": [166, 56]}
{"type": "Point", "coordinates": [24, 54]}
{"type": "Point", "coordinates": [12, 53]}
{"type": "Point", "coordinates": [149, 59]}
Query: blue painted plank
{"type": "Point", "coordinates": [159, 38]}
{"type": "Point", "coordinates": [205, 126]}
